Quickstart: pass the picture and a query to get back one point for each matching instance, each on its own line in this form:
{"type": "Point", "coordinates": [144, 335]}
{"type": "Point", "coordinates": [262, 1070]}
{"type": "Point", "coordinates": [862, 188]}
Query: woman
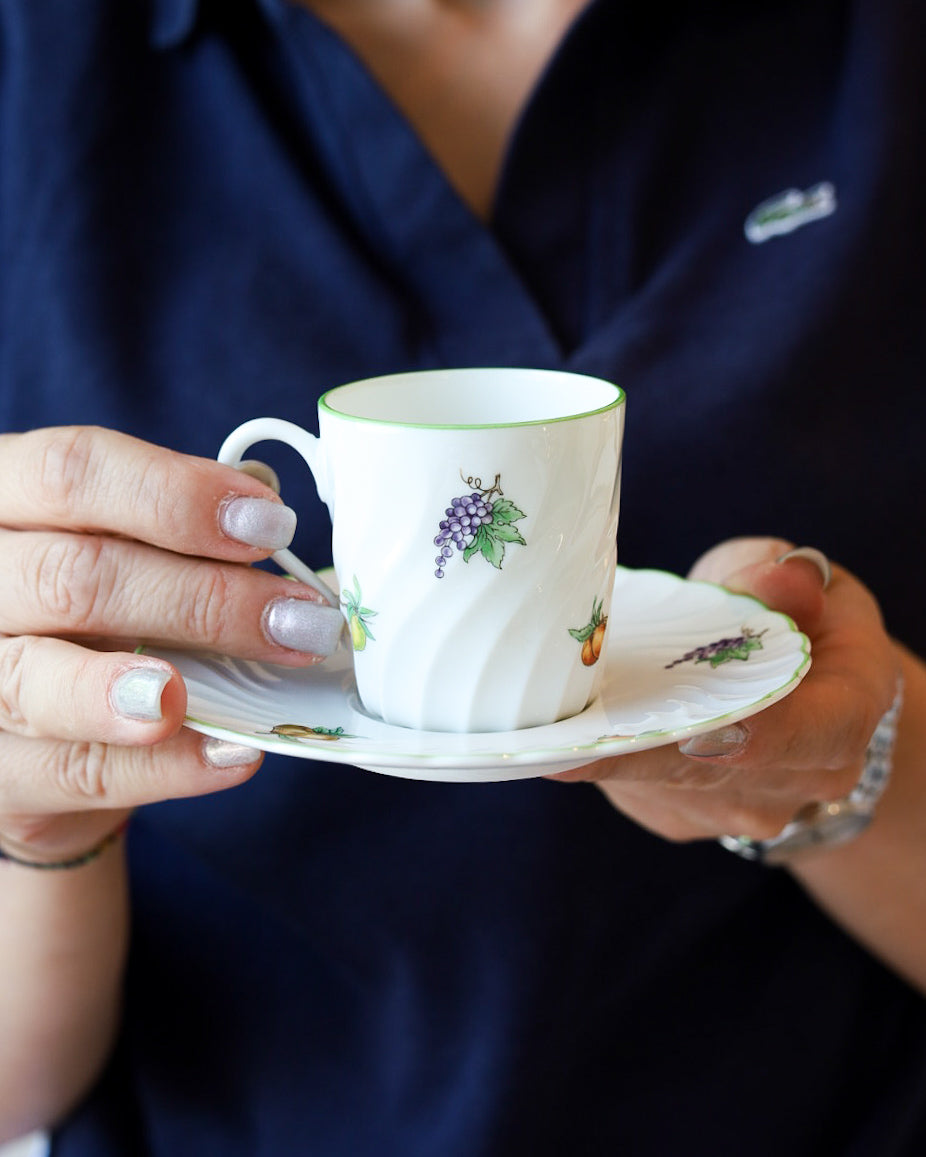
{"type": "Point", "coordinates": [212, 211]}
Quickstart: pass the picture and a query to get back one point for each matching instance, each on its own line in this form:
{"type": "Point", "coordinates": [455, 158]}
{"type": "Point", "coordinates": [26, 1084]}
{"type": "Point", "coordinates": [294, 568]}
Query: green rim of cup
{"type": "Point", "coordinates": [323, 403]}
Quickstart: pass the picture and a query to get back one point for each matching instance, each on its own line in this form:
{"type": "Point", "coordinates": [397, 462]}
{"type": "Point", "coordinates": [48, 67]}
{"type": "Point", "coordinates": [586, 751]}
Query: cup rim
{"type": "Point", "coordinates": [325, 405]}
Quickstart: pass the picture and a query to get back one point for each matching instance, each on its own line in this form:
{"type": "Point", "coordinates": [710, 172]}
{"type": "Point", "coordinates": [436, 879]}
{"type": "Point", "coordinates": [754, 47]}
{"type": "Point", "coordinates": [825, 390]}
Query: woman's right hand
{"type": "Point", "coordinates": [107, 542]}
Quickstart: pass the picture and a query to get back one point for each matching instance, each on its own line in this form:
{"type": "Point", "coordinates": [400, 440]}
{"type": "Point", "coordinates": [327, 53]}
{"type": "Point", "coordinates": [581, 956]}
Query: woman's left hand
{"type": "Point", "coordinates": [751, 778]}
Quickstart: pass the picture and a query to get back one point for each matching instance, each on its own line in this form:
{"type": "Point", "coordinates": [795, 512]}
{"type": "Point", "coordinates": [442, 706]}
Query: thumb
{"type": "Point", "coordinates": [787, 579]}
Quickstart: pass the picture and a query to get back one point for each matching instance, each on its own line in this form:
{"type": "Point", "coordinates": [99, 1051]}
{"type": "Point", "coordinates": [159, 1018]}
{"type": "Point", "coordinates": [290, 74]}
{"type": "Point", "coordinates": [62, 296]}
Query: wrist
{"type": "Point", "coordinates": [57, 850]}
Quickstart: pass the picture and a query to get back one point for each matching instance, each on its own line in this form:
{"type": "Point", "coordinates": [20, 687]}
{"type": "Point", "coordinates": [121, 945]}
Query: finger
{"type": "Point", "coordinates": [54, 777]}
{"type": "Point", "coordinates": [84, 585]}
{"type": "Point", "coordinates": [829, 719]}
{"type": "Point", "coordinates": [734, 554]}
{"type": "Point", "coordinates": [792, 585]}
{"type": "Point", "coordinates": [50, 688]}
{"type": "Point", "coordinates": [827, 723]}
{"type": "Point", "coordinates": [724, 559]}
{"type": "Point", "coordinates": [809, 745]}
{"type": "Point", "coordinates": [746, 777]}
{"type": "Point", "coordinates": [729, 766]}
{"type": "Point", "coordinates": [821, 733]}
{"type": "Point", "coordinates": [681, 799]}
{"type": "Point", "coordinates": [787, 579]}
{"type": "Point", "coordinates": [692, 814]}
{"type": "Point", "coordinates": [86, 478]}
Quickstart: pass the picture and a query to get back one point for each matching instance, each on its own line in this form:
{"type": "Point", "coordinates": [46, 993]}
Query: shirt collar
{"type": "Point", "coordinates": [172, 21]}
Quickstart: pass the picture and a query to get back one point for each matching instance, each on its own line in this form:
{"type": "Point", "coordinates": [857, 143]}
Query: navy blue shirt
{"type": "Point", "coordinates": [210, 211]}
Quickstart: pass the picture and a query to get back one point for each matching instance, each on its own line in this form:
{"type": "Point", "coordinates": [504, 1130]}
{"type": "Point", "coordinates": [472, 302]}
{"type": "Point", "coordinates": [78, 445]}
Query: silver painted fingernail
{"type": "Point", "coordinates": [712, 744]}
{"type": "Point", "coordinates": [136, 694]}
{"type": "Point", "coordinates": [811, 554]}
{"type": "Point", "coordinates": [258, 522]}
{"type": "Point", "coordinates": [300, 625]}
{"type": "Point", "coordinates": [221, 753]}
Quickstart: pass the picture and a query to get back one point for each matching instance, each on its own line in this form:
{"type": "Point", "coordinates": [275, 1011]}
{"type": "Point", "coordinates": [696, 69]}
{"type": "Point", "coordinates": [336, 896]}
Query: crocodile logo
{"type": "Point", "coordinates": [788, 211]}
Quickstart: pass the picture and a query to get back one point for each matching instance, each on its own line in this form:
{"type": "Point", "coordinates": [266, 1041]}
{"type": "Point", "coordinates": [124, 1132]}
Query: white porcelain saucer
{"type": "Point", "coordinates": [683, 657]}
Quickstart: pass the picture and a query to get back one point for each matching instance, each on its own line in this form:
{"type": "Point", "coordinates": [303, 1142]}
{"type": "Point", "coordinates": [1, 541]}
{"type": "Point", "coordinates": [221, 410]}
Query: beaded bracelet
{"type": "Point", "coordinates": [75, 861]}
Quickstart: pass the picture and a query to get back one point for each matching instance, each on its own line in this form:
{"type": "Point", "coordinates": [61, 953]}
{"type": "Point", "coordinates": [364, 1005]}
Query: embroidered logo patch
{"type": "Point", "coordinates": [788, 211]}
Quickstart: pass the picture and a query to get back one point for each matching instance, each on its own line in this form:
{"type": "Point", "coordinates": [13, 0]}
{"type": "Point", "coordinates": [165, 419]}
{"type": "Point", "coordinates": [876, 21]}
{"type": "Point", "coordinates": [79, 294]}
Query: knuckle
{"type": "Point", "coordinates": [757, 823]}
{"type": "Point", "coordinates": [839, 783]}
{"type": "Point", "coordinates": [155, 489]}
{"type": "Point", "coordinates": [69, 579]}
{"type": "Point", "coordinates": [701, 775]}
{"type": "Point", "coordinates": [206, 610]}
{"type": "Point", "coordinates": [82, 771]}
{"type": "Point", "coordinates": [852, 735]}
{"type": "Point", "coordinates": [862, 726]}
{"type": "Point", "coordinates": [64, 469]}
{"type": "Point", "coordinates": [13, 662]}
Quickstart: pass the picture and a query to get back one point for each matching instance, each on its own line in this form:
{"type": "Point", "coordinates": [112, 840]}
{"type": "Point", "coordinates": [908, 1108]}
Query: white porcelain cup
{"type": "Point", "coordinates": [474, 517]}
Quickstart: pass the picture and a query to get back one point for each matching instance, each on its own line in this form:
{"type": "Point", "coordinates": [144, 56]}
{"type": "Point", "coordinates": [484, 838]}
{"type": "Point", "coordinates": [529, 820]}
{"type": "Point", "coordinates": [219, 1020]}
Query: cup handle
{"type": "Point", "coordinates": [232, 453]}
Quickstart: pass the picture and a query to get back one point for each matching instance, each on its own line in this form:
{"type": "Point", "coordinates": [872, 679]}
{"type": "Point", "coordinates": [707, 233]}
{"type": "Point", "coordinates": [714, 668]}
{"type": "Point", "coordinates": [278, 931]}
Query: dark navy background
{"type": "Point", "coordinates": [208, 211]}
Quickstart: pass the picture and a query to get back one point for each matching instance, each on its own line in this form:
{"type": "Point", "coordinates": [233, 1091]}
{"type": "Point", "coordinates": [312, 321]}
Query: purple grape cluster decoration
{"type": "Point", "coordinates": [723, 650]}
{"type": "Point", "coordinates": [479, 522]}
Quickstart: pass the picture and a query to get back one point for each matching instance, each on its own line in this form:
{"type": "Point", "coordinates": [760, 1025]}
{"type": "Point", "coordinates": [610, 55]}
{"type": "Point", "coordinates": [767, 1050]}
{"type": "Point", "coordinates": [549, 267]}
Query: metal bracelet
{"type": "Point", "coordinates": [837, 821]}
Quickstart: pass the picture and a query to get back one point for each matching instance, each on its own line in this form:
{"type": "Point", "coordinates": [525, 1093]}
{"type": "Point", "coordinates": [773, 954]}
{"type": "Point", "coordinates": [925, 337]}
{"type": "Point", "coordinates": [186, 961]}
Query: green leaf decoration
{"type": "Point", "coordinates": [493, 551]}
{"type": "Point", "coordinates": [506, 511]}
{"type": "Point", "coordinates": [742, 651]}
{"type": "Point", "coordinates": [504, 533]}
{"type": "Point", "coordinates": [490, 543]}
{"type": "Point", "coordinates": [357, 617]}
{"type": "Point", "coordinates": [580, 634]}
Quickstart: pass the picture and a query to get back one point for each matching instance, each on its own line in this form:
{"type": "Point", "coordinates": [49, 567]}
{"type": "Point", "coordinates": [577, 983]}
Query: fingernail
{"type": "Point", "coordinates": [258, 522]}
{"type": "Point", "coordinates": [137, 693]}
{"type": "Point", "coordinates": [300, 625]}
{"type": "Point", "coordinates": [723, 741]}
{"type": "Point", "coordinates": [221, 753]}
{"type": "Point", "coordinates": [811, 554]}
